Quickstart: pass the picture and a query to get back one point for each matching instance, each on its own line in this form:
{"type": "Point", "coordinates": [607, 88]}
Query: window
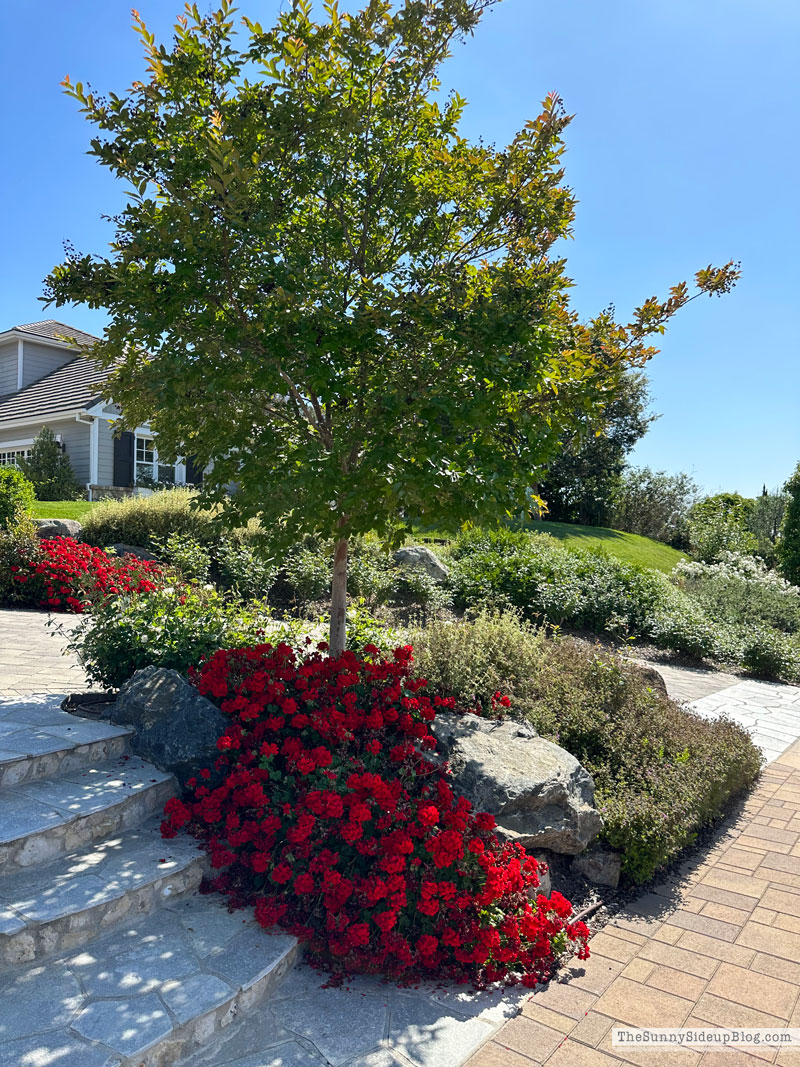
{"type": "Point", "coordinates": [145, 460]}
{"type": "Point", "coordinates": [12, 457]}
{"type": "Point", "coordinates": [147, 467]}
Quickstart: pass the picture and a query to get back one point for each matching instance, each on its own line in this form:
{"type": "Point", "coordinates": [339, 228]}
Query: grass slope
{"type": "Point", "coordinates": [61, 509]}
{"type": "Point", "coordinates": [631, 548]}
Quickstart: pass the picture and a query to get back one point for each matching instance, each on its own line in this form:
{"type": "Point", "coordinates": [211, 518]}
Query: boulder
{"type": "Point", "coordinates": [176, 728]}
{"type": "Point", "coordinates": [600, 865]}
{"type": "Point", "coordinates": [539, 794]}
{"type": "Point", "coordinates": [58, 528]}
{"type": "Point", "coordinates": [120, 549]}
{"type": "Point", "coordinates": [421, 557]}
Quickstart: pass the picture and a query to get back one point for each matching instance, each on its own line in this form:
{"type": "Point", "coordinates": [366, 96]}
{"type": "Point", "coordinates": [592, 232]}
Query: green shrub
{"type": "Point", "coordinates": [364, 629]}
{"type": "Point", "coordinates": [472, 659]}
{"type": "Point", "coordinates": [170, 627]}
{"type": "Point", "coordinates": [49, 469]}
{"type": "Point", "coordinates": [242, 562]}
{"type": "Point", "coordinates": [661, 773]}
{"type": "Point", "coordinates": [188, 557]}
{"type": "Point", "coordinates": [546, 581]}
{"type": "Point", "coordinates": [147, 520]}
{"type": "Point", "coordinates": [742, 591]}
{"type": "Point", "coordinates": [16, 497]}
{"type": "Point", "coordinates": [306, 574]}
{"type": "Point", "coordinates": [715, 531]}
{"type": "Point", "coordinates": [768, 654]}
{"type": "Point", "coordinates": [305, 577]}
{"type": "Point", "coordinates": [17, 543]}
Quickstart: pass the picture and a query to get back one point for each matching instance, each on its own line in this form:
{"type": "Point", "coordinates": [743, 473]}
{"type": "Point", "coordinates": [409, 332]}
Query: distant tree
{"type": "Point", "coordinates": [581, 484]}
{"type": "Point", "coordinates": [654, 504]}
{"type": "Point", "coordinates": [329, 296]}
{"type": "Point", "coordinates": [789, 544]}
{"type": "Point", "coordinates": [764, 522]}
{"type": "Point", "coordinates": [719, 524]}
{"type": "Point", "coordinates": [50, 470]}
{"type": "Point", "coordinates": [733, 506]}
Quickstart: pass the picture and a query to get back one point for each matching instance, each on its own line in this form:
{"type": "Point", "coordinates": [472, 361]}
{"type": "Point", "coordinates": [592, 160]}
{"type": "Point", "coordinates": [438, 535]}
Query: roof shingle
{"type": "Point", "coordinates": [57, 331]}
{"type": "Point", "coordinates": [73, 386]}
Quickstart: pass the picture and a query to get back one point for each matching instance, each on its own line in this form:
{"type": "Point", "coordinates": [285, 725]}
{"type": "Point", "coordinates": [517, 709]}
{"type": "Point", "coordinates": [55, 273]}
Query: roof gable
{"type": "Point", "coordinates": [53, 330]}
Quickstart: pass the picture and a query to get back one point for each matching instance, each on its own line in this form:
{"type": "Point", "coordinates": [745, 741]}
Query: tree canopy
{"type": "Point", "coordinates": [582, 483]}
{"type": "Point", "coordinates": [320, 287]}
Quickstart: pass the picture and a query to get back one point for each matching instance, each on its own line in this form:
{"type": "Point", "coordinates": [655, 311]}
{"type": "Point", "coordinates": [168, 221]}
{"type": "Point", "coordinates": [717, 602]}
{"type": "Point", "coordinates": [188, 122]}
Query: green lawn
{"type": "Point", "coordinates": [631, 548]}
{"type": "Point", "coordinates": [61, 509]}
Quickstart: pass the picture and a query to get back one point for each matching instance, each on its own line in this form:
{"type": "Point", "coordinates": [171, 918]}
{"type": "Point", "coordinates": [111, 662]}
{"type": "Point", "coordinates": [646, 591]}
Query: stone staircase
{"type": "Point", "coordinates": [107, 954]}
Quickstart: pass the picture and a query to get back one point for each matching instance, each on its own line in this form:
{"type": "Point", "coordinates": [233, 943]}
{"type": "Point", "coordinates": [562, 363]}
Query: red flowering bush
{"type": "Point", "coordinates": [325, 813]}
{"type": "Point", "coordinates": [64, 575]}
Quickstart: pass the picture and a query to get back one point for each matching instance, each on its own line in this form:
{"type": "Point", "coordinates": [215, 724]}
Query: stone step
{"type": "Point", "coordinates": [49, 909]}
{"type": "Point", "coordinates": [53, 743]}
{"type": "Point", "coordinates": [42, 820]}
{"type": "Point", "coordinates": [145, 994]}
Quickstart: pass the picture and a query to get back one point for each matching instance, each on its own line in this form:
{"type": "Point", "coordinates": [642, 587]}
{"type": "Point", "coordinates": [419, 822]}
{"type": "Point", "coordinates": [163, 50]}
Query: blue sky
{"type": "Point", "coordinates": [684, 150]}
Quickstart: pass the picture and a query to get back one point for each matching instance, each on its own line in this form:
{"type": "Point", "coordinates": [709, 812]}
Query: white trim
{"type": "Point", "coordinates": [94, 451]}
{"type": "Point", "coordinates": [19, 363]}
{"type": "Point", "coordinates": [99, 409]}
{"type": "Point", "coordinates": [9, 446]}
{"type": "Point", "coordinates": [51, 342]}
{"type": "Point", "coordinates": [41, 420]}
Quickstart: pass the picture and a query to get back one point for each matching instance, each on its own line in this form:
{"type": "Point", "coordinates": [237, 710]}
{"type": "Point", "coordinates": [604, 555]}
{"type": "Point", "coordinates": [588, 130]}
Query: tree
{"type": "Point", "coordinates": [50, 470]}
{"type": "Point", "coordinates": [764, 522]}
{"type": "Point", "coordinates": [321, 288]}
{"type": "Point", "coordinates": [719, 524]}
{"type": "Point", "coordinates": [654, 504]}
{"type": "Point", "coordinates": [581, 484]}
{"type": "Point", "coordinates": [789, 544]}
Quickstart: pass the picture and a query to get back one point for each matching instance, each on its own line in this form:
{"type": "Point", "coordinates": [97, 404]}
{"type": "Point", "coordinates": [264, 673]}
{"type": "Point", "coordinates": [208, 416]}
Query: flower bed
{"type": "Point", "coordinates": [64, 575]}
{"type": "Point", "coordinates": [325, 813]}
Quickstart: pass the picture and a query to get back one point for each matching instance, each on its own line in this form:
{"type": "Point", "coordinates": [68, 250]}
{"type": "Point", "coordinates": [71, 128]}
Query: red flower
{"type": "Point", "coordinates": [329, 821]}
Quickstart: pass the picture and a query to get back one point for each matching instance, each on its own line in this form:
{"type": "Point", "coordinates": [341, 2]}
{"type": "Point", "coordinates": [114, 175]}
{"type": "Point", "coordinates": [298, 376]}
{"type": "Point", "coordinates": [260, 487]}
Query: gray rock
{"type": "Point", "coordinates": [422, 557]}
{"type": "Point", "coordinates": [176, 728]}
{"type": "Point", "coordinates": [599, 865]}
{"type": "Point", "coordinates": [120, 549]}
{"type": "Point", "coordinates": [539, 794]}
{"type": "Point", "coordinates": [58, 528]}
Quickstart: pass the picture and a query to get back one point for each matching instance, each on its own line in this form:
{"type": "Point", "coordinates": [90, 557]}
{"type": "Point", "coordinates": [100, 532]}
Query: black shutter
{"type": "Point", "coordinates": [194, 472]}
{"type": "Point", "coordinates": [123, 460]}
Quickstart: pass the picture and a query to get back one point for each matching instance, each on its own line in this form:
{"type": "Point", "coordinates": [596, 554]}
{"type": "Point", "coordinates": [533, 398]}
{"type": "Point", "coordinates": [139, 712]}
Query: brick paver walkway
{"type": "Point", "coordinates": [32, 657]}
{"type": "Point", "coordinates": [718, 946]}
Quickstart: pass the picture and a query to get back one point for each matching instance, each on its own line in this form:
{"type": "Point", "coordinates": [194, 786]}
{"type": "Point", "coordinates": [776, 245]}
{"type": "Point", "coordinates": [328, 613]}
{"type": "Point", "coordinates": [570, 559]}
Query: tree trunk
{"type": "Point", "coordinates": [338, 634]}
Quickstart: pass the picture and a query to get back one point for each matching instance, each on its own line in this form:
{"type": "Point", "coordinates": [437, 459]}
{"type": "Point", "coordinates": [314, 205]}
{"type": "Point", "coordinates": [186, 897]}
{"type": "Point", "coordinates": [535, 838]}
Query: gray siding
{"type": "Point", "coordinates": [8, 368]}
{"type": "Point", "coordinates": [74, 435]}
{"type": "Point", "coordinates": [40, 360]}
{"type": "Point", "coordinates": [105, 454]}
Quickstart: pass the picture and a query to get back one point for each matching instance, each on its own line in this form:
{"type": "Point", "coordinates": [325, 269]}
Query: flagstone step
{"type": "Point", "coordinates": [42, 820]}
{"type": "Point", "coordinates": [32, 751]}
{"type": "Point", "coordinates": [49, 909]}
{"type": "Point", "coordinates": [145, 994]}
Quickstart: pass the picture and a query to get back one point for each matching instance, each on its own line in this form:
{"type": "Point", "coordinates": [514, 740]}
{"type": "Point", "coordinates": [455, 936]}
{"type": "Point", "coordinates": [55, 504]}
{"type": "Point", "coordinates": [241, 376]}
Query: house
{"type": "Point", "coordinates": [46, 379]}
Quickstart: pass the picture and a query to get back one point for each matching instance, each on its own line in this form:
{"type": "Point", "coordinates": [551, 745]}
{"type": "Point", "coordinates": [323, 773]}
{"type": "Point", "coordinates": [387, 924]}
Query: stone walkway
{"type": "Point", "coordinates": [32, 657]}
{"type": "Point", "coordinates": [719, 945]}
